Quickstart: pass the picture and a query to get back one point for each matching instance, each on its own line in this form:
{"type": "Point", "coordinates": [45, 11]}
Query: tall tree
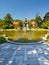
{"type": "Point", "coordinates": [45, 25]}
{"type": "Point", "coordinates": [8, 19]}
{"type": "Point", "coordinates": [46, 17]}
{"type": "Point", "coordinates": [2, 23]}
{"type": "Point", "coordinates": [38, 20]}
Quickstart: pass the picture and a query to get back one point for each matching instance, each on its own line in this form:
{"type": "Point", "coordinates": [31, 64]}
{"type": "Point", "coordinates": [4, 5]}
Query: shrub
{"type": "Point", "coordinates": [8, 26]}
{"type": "Point", "coordinates": [47, 39]}
{"type": "Point", "coordinates": [2, 39]}
{"type": "Point", "coordinates": [47, 36]}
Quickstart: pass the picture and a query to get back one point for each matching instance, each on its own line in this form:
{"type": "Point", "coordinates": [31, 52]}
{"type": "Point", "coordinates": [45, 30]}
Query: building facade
{"type": "Point", "coordinates": [25, 24]}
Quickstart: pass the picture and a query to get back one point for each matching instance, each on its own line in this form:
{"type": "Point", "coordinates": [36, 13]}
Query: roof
{"type": "Point", "coordinates": [15, 23]}
{"type": "Point", "coordinates": [33, 23]}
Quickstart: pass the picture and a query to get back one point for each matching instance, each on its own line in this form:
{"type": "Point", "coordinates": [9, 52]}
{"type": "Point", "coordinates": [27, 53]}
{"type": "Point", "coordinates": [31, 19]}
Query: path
{"type": "Point", "coordinates": [12, 54]}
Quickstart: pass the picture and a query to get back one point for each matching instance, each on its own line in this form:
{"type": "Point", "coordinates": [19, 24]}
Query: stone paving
{"type": "Point", "coordinates": [12, 54]}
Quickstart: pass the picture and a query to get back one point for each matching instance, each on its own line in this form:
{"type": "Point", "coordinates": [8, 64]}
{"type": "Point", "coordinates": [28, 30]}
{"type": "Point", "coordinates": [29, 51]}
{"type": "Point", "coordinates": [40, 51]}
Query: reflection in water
{"type": "Point", "coordinates": [19, 35]}
{"type": "Point", "coordinates": [31, 35]}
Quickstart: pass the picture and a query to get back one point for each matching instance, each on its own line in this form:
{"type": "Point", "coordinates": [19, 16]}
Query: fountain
{"type": "Point", "coordinates": [25, 25]}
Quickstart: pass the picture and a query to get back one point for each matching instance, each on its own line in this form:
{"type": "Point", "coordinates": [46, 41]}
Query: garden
{"type": "Point", "coordinates": [24, 31]}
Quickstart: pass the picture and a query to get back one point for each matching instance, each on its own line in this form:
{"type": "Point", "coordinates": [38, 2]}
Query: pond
{"type": "Point", "coordinates": [26, 36]}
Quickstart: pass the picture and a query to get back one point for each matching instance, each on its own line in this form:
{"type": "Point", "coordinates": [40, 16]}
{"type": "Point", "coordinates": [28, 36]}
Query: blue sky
{"type": "Point", "coordinates": [20, 9]}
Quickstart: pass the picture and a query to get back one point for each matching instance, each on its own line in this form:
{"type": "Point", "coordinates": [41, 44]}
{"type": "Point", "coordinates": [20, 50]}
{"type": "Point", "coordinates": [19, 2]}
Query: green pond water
{"type": "Point", "coordinates": [21, 35]}
{"type": "Point", "coordinates": [30, 35]}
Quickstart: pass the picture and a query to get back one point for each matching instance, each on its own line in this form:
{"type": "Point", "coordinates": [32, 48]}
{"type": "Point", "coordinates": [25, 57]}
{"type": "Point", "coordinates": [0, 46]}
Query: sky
{"type": "Point", "coordinates": [21, 9]}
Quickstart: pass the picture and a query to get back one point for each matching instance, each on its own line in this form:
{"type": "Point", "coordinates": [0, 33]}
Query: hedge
{"type": "Point", "coordinates": [2, 39]}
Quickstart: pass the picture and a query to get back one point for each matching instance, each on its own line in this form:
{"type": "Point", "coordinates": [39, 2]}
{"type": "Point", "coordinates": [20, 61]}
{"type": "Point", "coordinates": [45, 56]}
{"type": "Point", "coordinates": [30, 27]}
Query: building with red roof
{"type": "Point", "coordinates": [24, 23]}
{"type": "Point", "coordinates": [15, 23]}
{"type": "Point", "coordinates": [33, 23]}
